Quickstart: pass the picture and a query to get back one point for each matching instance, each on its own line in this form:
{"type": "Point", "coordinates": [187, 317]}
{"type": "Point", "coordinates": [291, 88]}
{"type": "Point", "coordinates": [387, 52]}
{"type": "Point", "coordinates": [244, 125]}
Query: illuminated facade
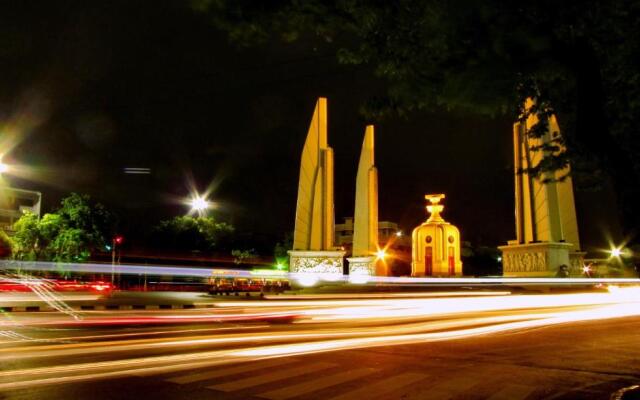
{"type": "Point", "coordinates": [313, 239]}
{"type": "Point", "coordinates": [436, 244]}
{"type": "Point", "coordinates": [365, 229]}
{"type": "Point", "coordinates": [546, 223]}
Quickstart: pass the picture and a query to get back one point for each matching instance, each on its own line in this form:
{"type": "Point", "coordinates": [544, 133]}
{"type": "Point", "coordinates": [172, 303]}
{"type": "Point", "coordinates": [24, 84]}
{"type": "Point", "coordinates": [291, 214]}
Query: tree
{"type": "Point", "coordinates": [7, 246]}
{"type": "Point", "coordinates": [240, 256]}
{"type": "Point", "coordinates": [71, 233]}
{"type": "Point", "coordinates": [575, 59]}
{"type": "Point", "coordinates": [27, 237]}
{"type": "Point", "coordinates": [192, 233]}
{"type": "Point", "coordinates": [83, 228]}
{"type": "Point", "coordinates": [281, 250]}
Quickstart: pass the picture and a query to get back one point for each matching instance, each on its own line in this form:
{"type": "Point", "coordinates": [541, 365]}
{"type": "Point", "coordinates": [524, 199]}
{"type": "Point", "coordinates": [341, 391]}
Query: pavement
{"type": "Point", "coordinates": [580, 361]}
{"type": "Point", "coordinates": [472, 348]}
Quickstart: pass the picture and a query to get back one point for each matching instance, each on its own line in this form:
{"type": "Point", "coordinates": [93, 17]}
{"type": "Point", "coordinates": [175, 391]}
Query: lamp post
{"type": "Point", "coordinates": [115, 241]}
{"type": "Point", "coordinates": [200, 205]}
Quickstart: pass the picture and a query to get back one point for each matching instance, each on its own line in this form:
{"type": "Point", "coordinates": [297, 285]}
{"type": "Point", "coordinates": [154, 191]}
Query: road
{"type": "Point", "coordinates": [387, 346]}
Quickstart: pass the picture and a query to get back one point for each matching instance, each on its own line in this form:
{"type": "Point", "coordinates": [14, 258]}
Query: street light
{"type": "Point", "coordinates": [3, 167]}
{"type": "Point", "coordinates": [199, 204]}
{"type": "Point", "coordinates": [615, 252]}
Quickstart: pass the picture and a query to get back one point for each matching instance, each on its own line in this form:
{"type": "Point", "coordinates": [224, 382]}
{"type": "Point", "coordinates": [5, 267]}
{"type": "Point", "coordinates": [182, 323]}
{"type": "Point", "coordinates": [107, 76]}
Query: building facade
{"type": "Point", "coordinates": [14, 203]}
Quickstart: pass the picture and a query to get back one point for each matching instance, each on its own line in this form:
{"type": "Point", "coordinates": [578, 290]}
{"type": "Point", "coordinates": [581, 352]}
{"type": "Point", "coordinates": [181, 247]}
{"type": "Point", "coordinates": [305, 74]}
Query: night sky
{"type": "Point", "coordinates": [99, 86]}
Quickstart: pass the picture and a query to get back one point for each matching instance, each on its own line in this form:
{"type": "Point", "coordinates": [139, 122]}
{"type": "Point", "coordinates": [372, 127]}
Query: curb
{"type": "Point", "coordinates": [111, 307]}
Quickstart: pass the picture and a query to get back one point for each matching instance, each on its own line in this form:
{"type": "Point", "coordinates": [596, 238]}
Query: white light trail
{"type": "Point", "coordinates": [205, 272]}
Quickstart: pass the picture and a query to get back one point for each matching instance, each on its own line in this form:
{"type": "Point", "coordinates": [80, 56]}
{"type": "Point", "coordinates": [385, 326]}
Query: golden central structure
{"type": "Point", "coordinates": [313, 247]}
{"type": "Point", "coordinates": [365, 230]}
{"type": "Point", "coordinates": [436, 244]}
{"type": "Point", "coordinates": [546, 223]}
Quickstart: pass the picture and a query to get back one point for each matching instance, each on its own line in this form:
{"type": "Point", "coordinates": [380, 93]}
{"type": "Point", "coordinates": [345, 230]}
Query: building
{"type": "Point", "coordinates": [390, 236]}
{"type": "Point", "coordinates": [14, 203]}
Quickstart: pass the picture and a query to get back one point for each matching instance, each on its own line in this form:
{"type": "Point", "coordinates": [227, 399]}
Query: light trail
{"type": "Point", "coordinates": [338, 325]}
{"type": "Point", "coordinates": [159, 319]}
{"type": "Point", "coordinates": [178, 271]}
{"type": "Point", "coordinates": [150, 365]}
{"type": "Point", "coordinates": [149, 333]}
{"type": "Point", "coordinates": [22, 298]}
{"type": "Point", "coordinates": [149, 344]}
{"type": "Point", "coordinates": [385, 295]}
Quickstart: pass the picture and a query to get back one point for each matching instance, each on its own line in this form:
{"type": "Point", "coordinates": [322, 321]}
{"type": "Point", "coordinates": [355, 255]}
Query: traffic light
{"type": "Point", "coordinates": [118, 239]}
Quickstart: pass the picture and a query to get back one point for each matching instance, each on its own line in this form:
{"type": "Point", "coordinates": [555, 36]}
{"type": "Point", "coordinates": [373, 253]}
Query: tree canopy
{"type": "Point", "coordinates": [189, 233]}
{"type": "Point", "coordinates": [71, 233]}
{"type": "Point", "coordinates": [575, 59]}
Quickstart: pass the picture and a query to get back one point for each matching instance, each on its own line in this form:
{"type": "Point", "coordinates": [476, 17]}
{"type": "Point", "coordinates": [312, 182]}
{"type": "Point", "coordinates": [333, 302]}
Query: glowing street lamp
{"type": "Point", "coordinates": [381, 254]}
{"type": "Point", "coordinates": [199, 204]}
{"type": "Point", "coordinates": [3, 167]}
{"type": "Point", "coordinates": [615, 252]}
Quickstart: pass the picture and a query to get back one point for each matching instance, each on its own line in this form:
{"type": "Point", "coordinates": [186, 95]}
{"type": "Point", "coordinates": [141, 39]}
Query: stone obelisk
{"type": "Point", "coordinates": [313, 238]}
{"type": "Point", "coordinates": [546, 223]}
{"type": "Point", "coordinates": [365, 230]}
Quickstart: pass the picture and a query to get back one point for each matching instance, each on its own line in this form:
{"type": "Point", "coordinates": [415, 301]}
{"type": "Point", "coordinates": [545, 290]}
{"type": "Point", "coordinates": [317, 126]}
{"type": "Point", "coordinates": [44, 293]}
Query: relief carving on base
{"type": "Point", "coordinates": [364, 268]}
{"type": "Point", "coordinates": [321, 265]}
{"type": "Point", "coordinates": [525, 262]}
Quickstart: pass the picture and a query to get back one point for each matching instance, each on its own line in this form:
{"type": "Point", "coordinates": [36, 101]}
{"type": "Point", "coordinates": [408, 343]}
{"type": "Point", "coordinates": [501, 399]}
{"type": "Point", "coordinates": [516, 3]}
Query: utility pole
{"type": "Point", "coordinates": [116, 241]}
{"type": "Point", "coordinates": [113, 259]}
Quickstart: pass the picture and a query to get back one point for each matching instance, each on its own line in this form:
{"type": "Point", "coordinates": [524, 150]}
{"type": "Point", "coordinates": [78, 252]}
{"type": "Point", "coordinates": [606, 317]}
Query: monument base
{"type": "Point", "coordinates": [362, 266]}
{"type": "Point", "coordinates": [316, 262]}
{"type": "Point", "coordinates": [535, 259]}
{"type": "Point", "coordinates": [576, 258]}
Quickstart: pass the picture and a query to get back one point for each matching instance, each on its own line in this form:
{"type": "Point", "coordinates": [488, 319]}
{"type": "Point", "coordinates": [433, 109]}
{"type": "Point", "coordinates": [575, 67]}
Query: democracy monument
{"type": "Point", "coordinates": [364, 260]}
{"type": "Point", "coordinates": [546, 224]}
{"type": "Point", "coordinates": [436, 244]}
{"type": "Point", "coordinates": [313, 236]}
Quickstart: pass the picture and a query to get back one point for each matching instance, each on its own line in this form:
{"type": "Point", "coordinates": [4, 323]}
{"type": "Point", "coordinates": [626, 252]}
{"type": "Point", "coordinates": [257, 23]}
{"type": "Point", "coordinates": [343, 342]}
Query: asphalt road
{"type": "Point", "coordinates": [572, 346]}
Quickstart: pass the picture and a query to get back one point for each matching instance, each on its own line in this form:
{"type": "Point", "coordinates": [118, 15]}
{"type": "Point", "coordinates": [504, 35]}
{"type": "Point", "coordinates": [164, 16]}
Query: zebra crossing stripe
{"type": "Point", "coordinates": [389, 385]}
{"type": "Point", "coordinates": [222, 370]}
{"type": "Point", "coordinates": [512, 392]}
{"type": "Point", "coordinates": [270, 377]}
{"type": "Point", "coordinates": [449, 387]}
{"type": "Point", "coordinates": [316, 384]}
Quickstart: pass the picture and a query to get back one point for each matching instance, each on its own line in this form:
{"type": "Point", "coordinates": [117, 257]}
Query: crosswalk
{"type": "Point", "coordinates": [295, 378]}
{"type": "Point", "coordinates": [314, 385]}
{"type": "Point", "coordinates": [278, 375]}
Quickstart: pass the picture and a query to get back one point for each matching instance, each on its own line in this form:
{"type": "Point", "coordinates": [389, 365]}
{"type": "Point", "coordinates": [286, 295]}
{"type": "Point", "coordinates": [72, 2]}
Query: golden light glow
{"type": "Point", "coordinates": [3, 167]}
{"type": "Point", "coordinates": [381, 254]}
{"type": "Point", "coordinates": [307, 280]}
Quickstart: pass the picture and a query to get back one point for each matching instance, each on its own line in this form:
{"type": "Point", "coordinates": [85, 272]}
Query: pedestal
{"type": "Point", "coordinates": [535, 259]}
{"type": "Point", "coordinates": [316, 262]}
{"type": "Point", "coordinates": [576, 258]}
{"type": "Point", "coordinates": [362, 266]}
